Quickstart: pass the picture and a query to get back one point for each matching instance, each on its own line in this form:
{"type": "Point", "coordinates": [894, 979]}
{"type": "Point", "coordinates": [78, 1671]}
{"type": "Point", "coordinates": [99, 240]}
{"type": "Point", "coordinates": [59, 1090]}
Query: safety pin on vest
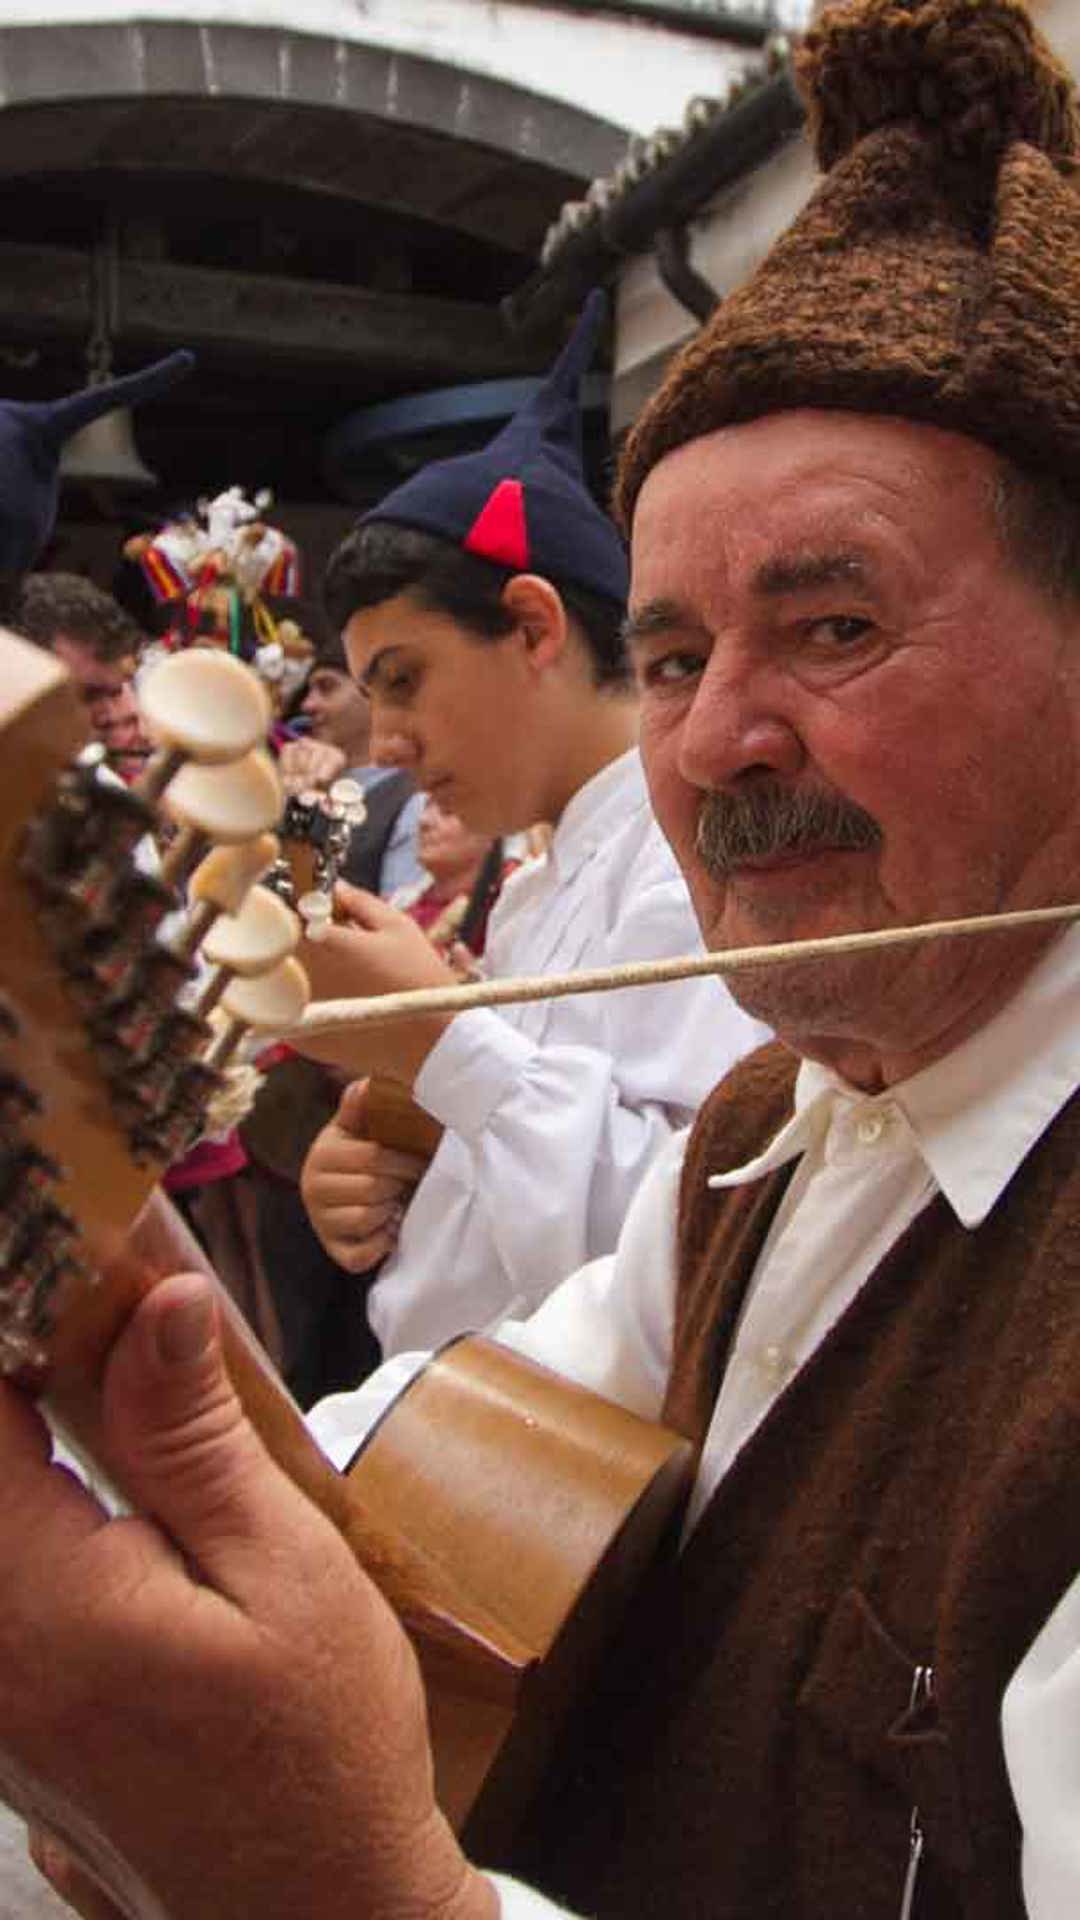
{"type": "Point", "coordinates": [922, 1690]}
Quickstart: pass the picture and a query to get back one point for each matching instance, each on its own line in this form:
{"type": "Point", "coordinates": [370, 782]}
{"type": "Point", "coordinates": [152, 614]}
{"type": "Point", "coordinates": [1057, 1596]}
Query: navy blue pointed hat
{"type": "Point", "coordinates": [522, 501]}
{"type": "Point", "coordinates": [32, 437]}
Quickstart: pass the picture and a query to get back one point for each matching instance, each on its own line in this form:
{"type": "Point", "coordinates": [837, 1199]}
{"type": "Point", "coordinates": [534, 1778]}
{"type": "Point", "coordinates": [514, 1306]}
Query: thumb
{"type": "Point", "coordinates": [352, 1112]}
{"type": "Point", "coordinates": [180, 1444]}
{"type": "Point", "coordinates": [361, 908]}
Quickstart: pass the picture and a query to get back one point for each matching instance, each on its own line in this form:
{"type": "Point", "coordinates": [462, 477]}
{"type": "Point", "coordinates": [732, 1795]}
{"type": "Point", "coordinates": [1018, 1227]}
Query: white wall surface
{"type": "Point", "coordinates": [631, 72]}
{"type": "Point", "coordinates": [734, 234]}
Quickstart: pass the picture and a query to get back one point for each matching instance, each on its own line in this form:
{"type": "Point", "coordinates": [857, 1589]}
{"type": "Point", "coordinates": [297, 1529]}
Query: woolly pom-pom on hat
{"type": "Point", "coordinates": [522, 501]}
{"type": "Point", "coordinates": [32, 437]}
{"type": "Point", "coordinates": [935, 273]}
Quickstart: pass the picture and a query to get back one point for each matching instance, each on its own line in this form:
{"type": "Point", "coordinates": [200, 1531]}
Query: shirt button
{"type": "Point", "coordinates": [774, 1364]}
{"type": "Point", "coordinates": [870, 1129]}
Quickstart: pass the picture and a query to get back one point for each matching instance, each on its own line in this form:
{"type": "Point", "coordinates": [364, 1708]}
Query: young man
{"type": "Point", "coordinates": [856, 615]}
{"type": "Point", "coordinates": [481, 606]}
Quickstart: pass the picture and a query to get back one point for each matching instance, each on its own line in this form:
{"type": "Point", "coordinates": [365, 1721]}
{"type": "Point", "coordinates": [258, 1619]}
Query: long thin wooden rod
{"type": "Point", "coordinates": [326, 1016]}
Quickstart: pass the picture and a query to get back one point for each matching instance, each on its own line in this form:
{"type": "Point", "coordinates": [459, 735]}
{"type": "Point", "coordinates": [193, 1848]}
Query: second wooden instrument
{"type": "Point", "coordinates": [505, 1513]}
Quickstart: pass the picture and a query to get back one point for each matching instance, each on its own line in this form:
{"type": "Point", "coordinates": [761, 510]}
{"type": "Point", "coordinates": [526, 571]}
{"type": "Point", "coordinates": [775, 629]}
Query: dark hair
{"type": "Point", "coordinates": [381, 559]}
{"type": "Point", "coordinates": [1038, 522]}
{"type": "Point", "coordinates": [311, 617]}
{"type": "Point", "coordinates": [49, 604]}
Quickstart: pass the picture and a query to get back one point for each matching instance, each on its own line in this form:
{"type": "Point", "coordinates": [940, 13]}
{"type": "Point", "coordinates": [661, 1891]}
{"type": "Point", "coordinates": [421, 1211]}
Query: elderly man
{"type": "Point", "coordinates": [856, 620]}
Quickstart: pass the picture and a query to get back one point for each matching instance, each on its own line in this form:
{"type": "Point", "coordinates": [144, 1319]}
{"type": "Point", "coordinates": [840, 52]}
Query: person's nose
{"type": "Point", "coordinates": [391, 745]}
{"type": "Point", "coordinates": [740, 722]}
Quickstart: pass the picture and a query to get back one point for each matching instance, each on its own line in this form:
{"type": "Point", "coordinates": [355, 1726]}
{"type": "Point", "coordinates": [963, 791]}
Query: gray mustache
{"type": "Point", "coordinates": [770, 818]}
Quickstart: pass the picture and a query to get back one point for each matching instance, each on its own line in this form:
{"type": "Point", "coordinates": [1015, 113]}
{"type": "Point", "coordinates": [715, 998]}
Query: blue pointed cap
{"type": "Point", "coordinates": [32, 438]}
{"type": "Point", "coordinates": [523, 500]}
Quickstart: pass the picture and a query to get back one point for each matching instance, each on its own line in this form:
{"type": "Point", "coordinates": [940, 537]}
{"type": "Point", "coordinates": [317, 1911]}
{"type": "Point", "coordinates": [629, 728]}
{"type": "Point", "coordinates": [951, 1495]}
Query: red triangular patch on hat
{"type": "Point", "coordinates": [499, 531]}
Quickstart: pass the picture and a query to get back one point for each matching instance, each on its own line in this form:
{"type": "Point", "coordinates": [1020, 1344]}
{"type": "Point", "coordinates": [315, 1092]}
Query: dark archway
{"type": "Point", "coordinates": [328, 224]}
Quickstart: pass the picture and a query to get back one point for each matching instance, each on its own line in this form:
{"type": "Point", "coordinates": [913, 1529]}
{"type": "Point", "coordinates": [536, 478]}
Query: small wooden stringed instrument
{"type": "Point", "coordinates": [506, 1514]}
{"type": "Point", "coordinates": [315, 832]}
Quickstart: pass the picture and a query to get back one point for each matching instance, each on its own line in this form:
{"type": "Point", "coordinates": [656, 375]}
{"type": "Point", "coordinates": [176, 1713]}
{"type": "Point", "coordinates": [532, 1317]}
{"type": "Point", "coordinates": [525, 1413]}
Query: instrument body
{"type": "Point", "coordinates": [505, 1513]}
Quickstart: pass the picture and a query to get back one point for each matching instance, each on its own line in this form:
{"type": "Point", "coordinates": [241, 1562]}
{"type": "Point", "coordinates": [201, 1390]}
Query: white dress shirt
{"type": "Point", "coordinates": [553, 1111]}
{"type": "Point", "coordinates": [867, 1166]}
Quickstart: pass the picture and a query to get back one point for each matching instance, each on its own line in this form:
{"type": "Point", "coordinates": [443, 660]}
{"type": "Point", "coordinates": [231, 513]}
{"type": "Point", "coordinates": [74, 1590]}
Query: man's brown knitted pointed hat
{"type": "Point", "coordinates": [935, 273]}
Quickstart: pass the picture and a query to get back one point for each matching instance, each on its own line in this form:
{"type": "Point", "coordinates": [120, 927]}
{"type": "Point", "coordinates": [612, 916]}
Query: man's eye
{"type": "Point", "coordinates": [841, 630]}
{"type": "Point", "coordinates": [669, 669]}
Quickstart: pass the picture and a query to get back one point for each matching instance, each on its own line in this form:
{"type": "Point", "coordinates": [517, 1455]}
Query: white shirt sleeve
{"type": "Point", "coordinates": [1041, 1732]}
{"type": "Point", "coordinates": [548, 1137]}
{"type": "Point", "coordinates": [608, 1327]}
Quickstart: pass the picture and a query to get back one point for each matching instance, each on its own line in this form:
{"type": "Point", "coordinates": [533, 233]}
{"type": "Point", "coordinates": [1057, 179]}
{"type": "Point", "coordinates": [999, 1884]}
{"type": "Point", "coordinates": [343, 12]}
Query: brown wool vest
{"type": "Point", "coordinates": [912, 1499]}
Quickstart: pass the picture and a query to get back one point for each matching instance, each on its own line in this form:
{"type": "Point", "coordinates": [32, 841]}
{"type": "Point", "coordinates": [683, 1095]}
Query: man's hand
{"type": "Point", "coordinates": [309, 763]}
{"type": "Point", "coordinates": [373, 949]}
{"type": "Point", "coordinates": [355, 1191]}
{"type": "Point", "coordinates": [212, 1708]}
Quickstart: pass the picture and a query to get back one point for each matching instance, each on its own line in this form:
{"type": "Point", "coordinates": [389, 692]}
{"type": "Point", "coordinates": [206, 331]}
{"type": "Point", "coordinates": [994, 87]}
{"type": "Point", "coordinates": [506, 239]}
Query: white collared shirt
{"type": "Point", "coordinates": [553, 1111]}
{"type": "Point", "coordinates": [867, 1166]}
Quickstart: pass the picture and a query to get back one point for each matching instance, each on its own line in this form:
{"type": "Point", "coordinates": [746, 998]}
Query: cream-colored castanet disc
{"type": "Point", "coordinates": [227, 803]}
{"type": "Point", "coordinates": [316, 910]}
{"type": "Point", "coordinates": [205, 705]}
{"type": "Point", "coordinates": [227, 875]}
{"type": "Point", "coordinates": [347, 799]}
{"type": "Point", "coordinates": [256, 939]}
{"type": "Point", "coordinates": [272, 1000]}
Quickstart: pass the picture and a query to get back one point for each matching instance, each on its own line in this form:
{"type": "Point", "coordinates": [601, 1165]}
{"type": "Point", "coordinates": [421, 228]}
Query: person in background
{"type": "Point", "coordinates": [482, 606]}
{"type": "Point", "coordinates": [98, 643]}
{"type": "Point", "coordinates": [464, 872]}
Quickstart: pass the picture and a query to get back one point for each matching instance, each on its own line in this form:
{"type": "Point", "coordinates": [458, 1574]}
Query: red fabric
{"type": "Point", "coordinates": [428, 907]}
{"type": "Point", "coordinates": [499, 531]}
{"type": "Point", "coordinates": [209, 1160]}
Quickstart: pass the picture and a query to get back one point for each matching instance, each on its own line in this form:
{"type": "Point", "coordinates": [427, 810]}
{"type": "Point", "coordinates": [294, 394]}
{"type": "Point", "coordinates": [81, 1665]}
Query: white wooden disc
{"type": "Point", "coordinates": [208, 704]}
{"type": "Point", "coordinates": [272, 1000]}
{"type": "Point", "coordinates": [349, 796]}
{"type": "Point", "coordinates": [229, 803]}
{"type": "Point", "coordinates": [228, 873]}
{"type": "Point", "coordinates": [316, 910]}
{"type": "Point", "coordinates": [259, 937]}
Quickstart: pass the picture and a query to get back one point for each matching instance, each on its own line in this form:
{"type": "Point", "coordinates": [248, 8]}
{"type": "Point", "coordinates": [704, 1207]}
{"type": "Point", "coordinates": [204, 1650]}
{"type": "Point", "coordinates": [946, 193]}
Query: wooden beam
{"type": "Point", "coordinates": [45, 293]}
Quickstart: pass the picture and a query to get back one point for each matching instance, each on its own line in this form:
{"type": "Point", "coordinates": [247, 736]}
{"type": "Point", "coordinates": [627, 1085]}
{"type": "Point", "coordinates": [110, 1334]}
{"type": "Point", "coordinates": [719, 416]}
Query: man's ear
{"type": "Point", "coordinates": [539, 615]}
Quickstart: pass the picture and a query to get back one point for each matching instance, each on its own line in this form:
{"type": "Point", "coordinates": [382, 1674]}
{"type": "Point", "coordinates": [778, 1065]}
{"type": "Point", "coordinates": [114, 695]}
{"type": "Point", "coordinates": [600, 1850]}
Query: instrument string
{"type": "Point", "coordinates": [329, 1016]}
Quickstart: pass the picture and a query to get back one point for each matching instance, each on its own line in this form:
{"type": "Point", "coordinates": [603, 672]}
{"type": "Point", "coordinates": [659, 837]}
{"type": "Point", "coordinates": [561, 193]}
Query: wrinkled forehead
{"type": "Point", "coordinates": [762, 492]}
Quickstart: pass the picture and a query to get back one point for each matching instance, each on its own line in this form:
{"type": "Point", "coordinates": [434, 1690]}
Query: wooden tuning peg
{"type": "Point", "coordinates": [247, 944]}
{"type": "Point", "coordinates": [227, 804]}
{"type": "Point", "coordinates": [200, 706]}
{"type": "Point", "coordinates": [269, 1004]}
{"type": "Point", "coordinates": [221, 883]}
